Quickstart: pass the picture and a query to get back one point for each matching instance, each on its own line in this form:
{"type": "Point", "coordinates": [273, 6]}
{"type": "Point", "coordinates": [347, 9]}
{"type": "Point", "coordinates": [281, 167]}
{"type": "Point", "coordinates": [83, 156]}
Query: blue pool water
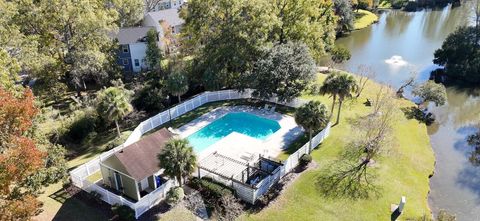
{"type": "Point", "coordinates": [244, 123]}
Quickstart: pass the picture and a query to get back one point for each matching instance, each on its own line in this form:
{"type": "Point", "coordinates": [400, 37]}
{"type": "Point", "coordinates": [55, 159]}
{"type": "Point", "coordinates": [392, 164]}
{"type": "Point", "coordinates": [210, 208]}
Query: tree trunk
{"type": "Point", "coordinates": [118, 128]}
{"type": "Point", "coordinates": [79, 91]}
{"type": "Point", "coordinates": [340, 101]}
{"type": "Point", "coordinates": [84, 85]}
{"type": "Point", "coordinates": [179, 178]}
{"type": "Point", "coordinates": [333, 106]}
{"type": "Point", "coordinates": [310, 142]}
{"type": "Point", "coordinates": [179, 99]}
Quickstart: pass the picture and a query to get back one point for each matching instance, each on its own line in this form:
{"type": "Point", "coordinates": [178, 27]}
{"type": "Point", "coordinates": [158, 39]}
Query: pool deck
{"type": "Point", "coordinates": [240, 146]}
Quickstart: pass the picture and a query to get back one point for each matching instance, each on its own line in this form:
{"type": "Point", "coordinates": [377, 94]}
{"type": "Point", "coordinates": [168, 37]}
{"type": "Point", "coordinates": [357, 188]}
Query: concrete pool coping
{"type": "Point", "coordinates": [240, 145]}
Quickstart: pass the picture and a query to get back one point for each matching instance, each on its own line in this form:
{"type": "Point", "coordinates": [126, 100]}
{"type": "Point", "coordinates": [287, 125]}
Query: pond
{"type": "Point", "coordinates": [401, 44]}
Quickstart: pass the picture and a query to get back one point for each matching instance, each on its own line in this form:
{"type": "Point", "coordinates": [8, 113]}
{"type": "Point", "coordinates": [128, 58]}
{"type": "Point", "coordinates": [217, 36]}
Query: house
{"type": "Point", "coordinates": [168, 4]}
{"type": "Point", "coordinates": [132, 40]}
{"type": "Point", "coordinates": [133, 171]}
{"type": "Point", "coordinates": [170, 16]}
{"type": "Point", "coordinates": [132, 51]}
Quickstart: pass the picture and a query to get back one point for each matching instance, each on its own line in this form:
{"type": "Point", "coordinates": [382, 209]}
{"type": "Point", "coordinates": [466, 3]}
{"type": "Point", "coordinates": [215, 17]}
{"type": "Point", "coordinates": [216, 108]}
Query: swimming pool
{"type": "Point", "coordinates": [244, 123]}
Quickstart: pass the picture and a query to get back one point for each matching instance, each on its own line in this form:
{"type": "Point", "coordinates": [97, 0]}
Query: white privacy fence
{"type": "Point", "coordinates": [294, 159]}
{"type": "Point", "coordinates": [79, 175]}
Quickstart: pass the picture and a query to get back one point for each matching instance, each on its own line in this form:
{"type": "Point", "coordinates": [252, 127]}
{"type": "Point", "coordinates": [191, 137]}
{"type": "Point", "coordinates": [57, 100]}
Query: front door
{"type": "Point", "coordinates": [144, 184]}
{"type": "Point", "coordinates": [118, 181]}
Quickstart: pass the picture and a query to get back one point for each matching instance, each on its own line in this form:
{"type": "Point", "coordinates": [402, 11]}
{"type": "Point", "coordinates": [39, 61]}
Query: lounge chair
{"type": "Point", "coordinates": [247, 156]}
{"type": "Point", "coordinates": [272, 109]}
{"type": "Point", "coordinates": [173, 130]}
{"type": "Point", "coordinates": [266, 107]}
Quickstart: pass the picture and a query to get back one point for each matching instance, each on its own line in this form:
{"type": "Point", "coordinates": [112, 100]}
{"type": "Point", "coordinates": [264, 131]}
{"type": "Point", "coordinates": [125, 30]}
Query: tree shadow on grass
{"type": "Point", "coordinates": [343, 179]}
{"type": "Point", "coordinates": [76, 205]}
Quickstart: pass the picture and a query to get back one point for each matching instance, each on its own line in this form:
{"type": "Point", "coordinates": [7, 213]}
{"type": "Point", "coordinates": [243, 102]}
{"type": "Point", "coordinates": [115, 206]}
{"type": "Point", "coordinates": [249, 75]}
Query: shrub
{"type": "Point", "coordinates": [150, 98]}
{"type": "Point", "coordinates": [305, 159]}
{"type": "Point", "coordinates": [211, 191]}
{"type": "Point", "coordinates": [445, 216]}
{"type": "Point", "coordinates": [210, 188]}
{"type": "Point", "coordinates": [228, 208]}
{"type": "Point", "coordinates": [397, 4]}
{"type": "Point", "coordinates": [124, 213]}
{"type": "Point", "coordinates": [82, 123]}
{"type": "Point", "coordinates": [364, 4]}
{"type": "Point", "coordinates": [340, 54]}
{"type": "Point", "coordinates": [218, 198]}
{"type": "Point", "coordinates": [314, 89]}
{"type": "Point", "coordinates": [410, 6]}
{"type": "Point", "coordinates": [175, 195]}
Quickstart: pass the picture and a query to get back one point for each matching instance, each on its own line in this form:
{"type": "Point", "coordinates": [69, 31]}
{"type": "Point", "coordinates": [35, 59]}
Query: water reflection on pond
{"type": "Point", "coordinates": [410, 39]}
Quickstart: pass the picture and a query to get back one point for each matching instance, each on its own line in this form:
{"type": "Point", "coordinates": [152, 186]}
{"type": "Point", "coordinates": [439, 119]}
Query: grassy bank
{"type": "Point", "coordinates": [402, 171]}
{"type": "Point", "coordinates": [364, 18]}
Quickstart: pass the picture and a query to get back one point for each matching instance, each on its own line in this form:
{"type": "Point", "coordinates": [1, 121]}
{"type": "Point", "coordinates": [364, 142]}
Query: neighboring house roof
{"type": "Point", "coordinates": [131, 35]}
{"type": "Point", "coordinates": [140, 158]}
{"type": "Point", "coordinates": [171, 16]}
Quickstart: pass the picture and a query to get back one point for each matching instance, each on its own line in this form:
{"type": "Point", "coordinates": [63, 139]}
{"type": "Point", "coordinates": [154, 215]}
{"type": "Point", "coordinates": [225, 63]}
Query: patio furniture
{"type": "Point", "coordinates": [266, 108]}
{"type": "Point", "coordinates": [247, 156]}
{"type": "Point", "coordinates": [272, 109]}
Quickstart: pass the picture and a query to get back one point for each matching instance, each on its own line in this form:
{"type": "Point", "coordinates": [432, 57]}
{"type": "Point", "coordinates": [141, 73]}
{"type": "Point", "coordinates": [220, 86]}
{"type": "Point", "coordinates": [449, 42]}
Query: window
{"type": "Point", "coordinates": [137, 62]}
{"type": "Point", "coordinates": [125, 48]}
{"type": "Point", "coordinates": [125, 61]}
{"type": "Point", "coordinates": [173, 30]}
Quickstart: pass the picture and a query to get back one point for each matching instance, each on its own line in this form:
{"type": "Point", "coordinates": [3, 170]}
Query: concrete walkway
{"type": "Point", "coordinates": [236, 145]}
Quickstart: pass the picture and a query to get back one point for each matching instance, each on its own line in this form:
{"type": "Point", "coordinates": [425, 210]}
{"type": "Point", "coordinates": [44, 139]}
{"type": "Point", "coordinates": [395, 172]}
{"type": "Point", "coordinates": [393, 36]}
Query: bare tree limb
{"type": "Point", "coordinates": [366, 73]}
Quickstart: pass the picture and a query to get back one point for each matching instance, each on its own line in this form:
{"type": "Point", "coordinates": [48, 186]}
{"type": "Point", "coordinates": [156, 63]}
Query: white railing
{"type": "Point", "coordinates": [152, 198]}
{"type": "Point", "coordinates": [140, 207]}
{"type": "Point", "coordinates": [251, 194]}
{"type": "Point", "coordinates": [79, 174]}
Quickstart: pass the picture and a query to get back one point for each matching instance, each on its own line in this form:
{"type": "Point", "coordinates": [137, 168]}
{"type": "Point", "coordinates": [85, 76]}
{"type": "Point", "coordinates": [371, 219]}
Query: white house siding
{"type": "Point", "coordinates": [168, 4]}
{"type": "Point", "coordinates": [138, 52]}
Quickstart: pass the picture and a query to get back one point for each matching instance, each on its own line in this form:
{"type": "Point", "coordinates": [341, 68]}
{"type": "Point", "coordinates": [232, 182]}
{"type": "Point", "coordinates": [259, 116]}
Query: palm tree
{"type": "Point", "coordinates": [177, 85]}
{"type": "Point", "coordinates": [346, 86]}
{"type": "Point", "coordinates": [329, 87]}
{"type": "Point", "coordinates": [178, 159]}
{"type": "Point", "coordinates": [312, 116]}
{"type": "Point", "coordinates": [114, 104]}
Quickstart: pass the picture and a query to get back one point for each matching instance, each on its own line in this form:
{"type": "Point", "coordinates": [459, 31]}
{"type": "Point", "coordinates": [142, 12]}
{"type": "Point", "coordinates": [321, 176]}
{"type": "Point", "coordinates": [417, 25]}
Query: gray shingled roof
{"type": "Point", "coordinates": [140, 158]}
{"type": "Point", "coordinates": [171, 16]}
{"type": "Point", "coordinates": [131, 35]}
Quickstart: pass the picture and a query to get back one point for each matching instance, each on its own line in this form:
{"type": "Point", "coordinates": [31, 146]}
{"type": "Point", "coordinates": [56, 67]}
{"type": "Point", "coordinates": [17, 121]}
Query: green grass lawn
{"type": "Point", "coordinates": [178, 213]}
{"type": "Point", "coordinates": [384, 5]}
{"type": "Point", "coordinates": [364, 18]}
{"type": "Point", "coordinates": [402, 171]}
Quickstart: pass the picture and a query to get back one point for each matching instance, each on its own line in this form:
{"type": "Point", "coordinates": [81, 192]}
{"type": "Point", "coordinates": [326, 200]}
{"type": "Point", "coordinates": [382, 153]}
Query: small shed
{"type": "Point", "coordinates": [134, 171]}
